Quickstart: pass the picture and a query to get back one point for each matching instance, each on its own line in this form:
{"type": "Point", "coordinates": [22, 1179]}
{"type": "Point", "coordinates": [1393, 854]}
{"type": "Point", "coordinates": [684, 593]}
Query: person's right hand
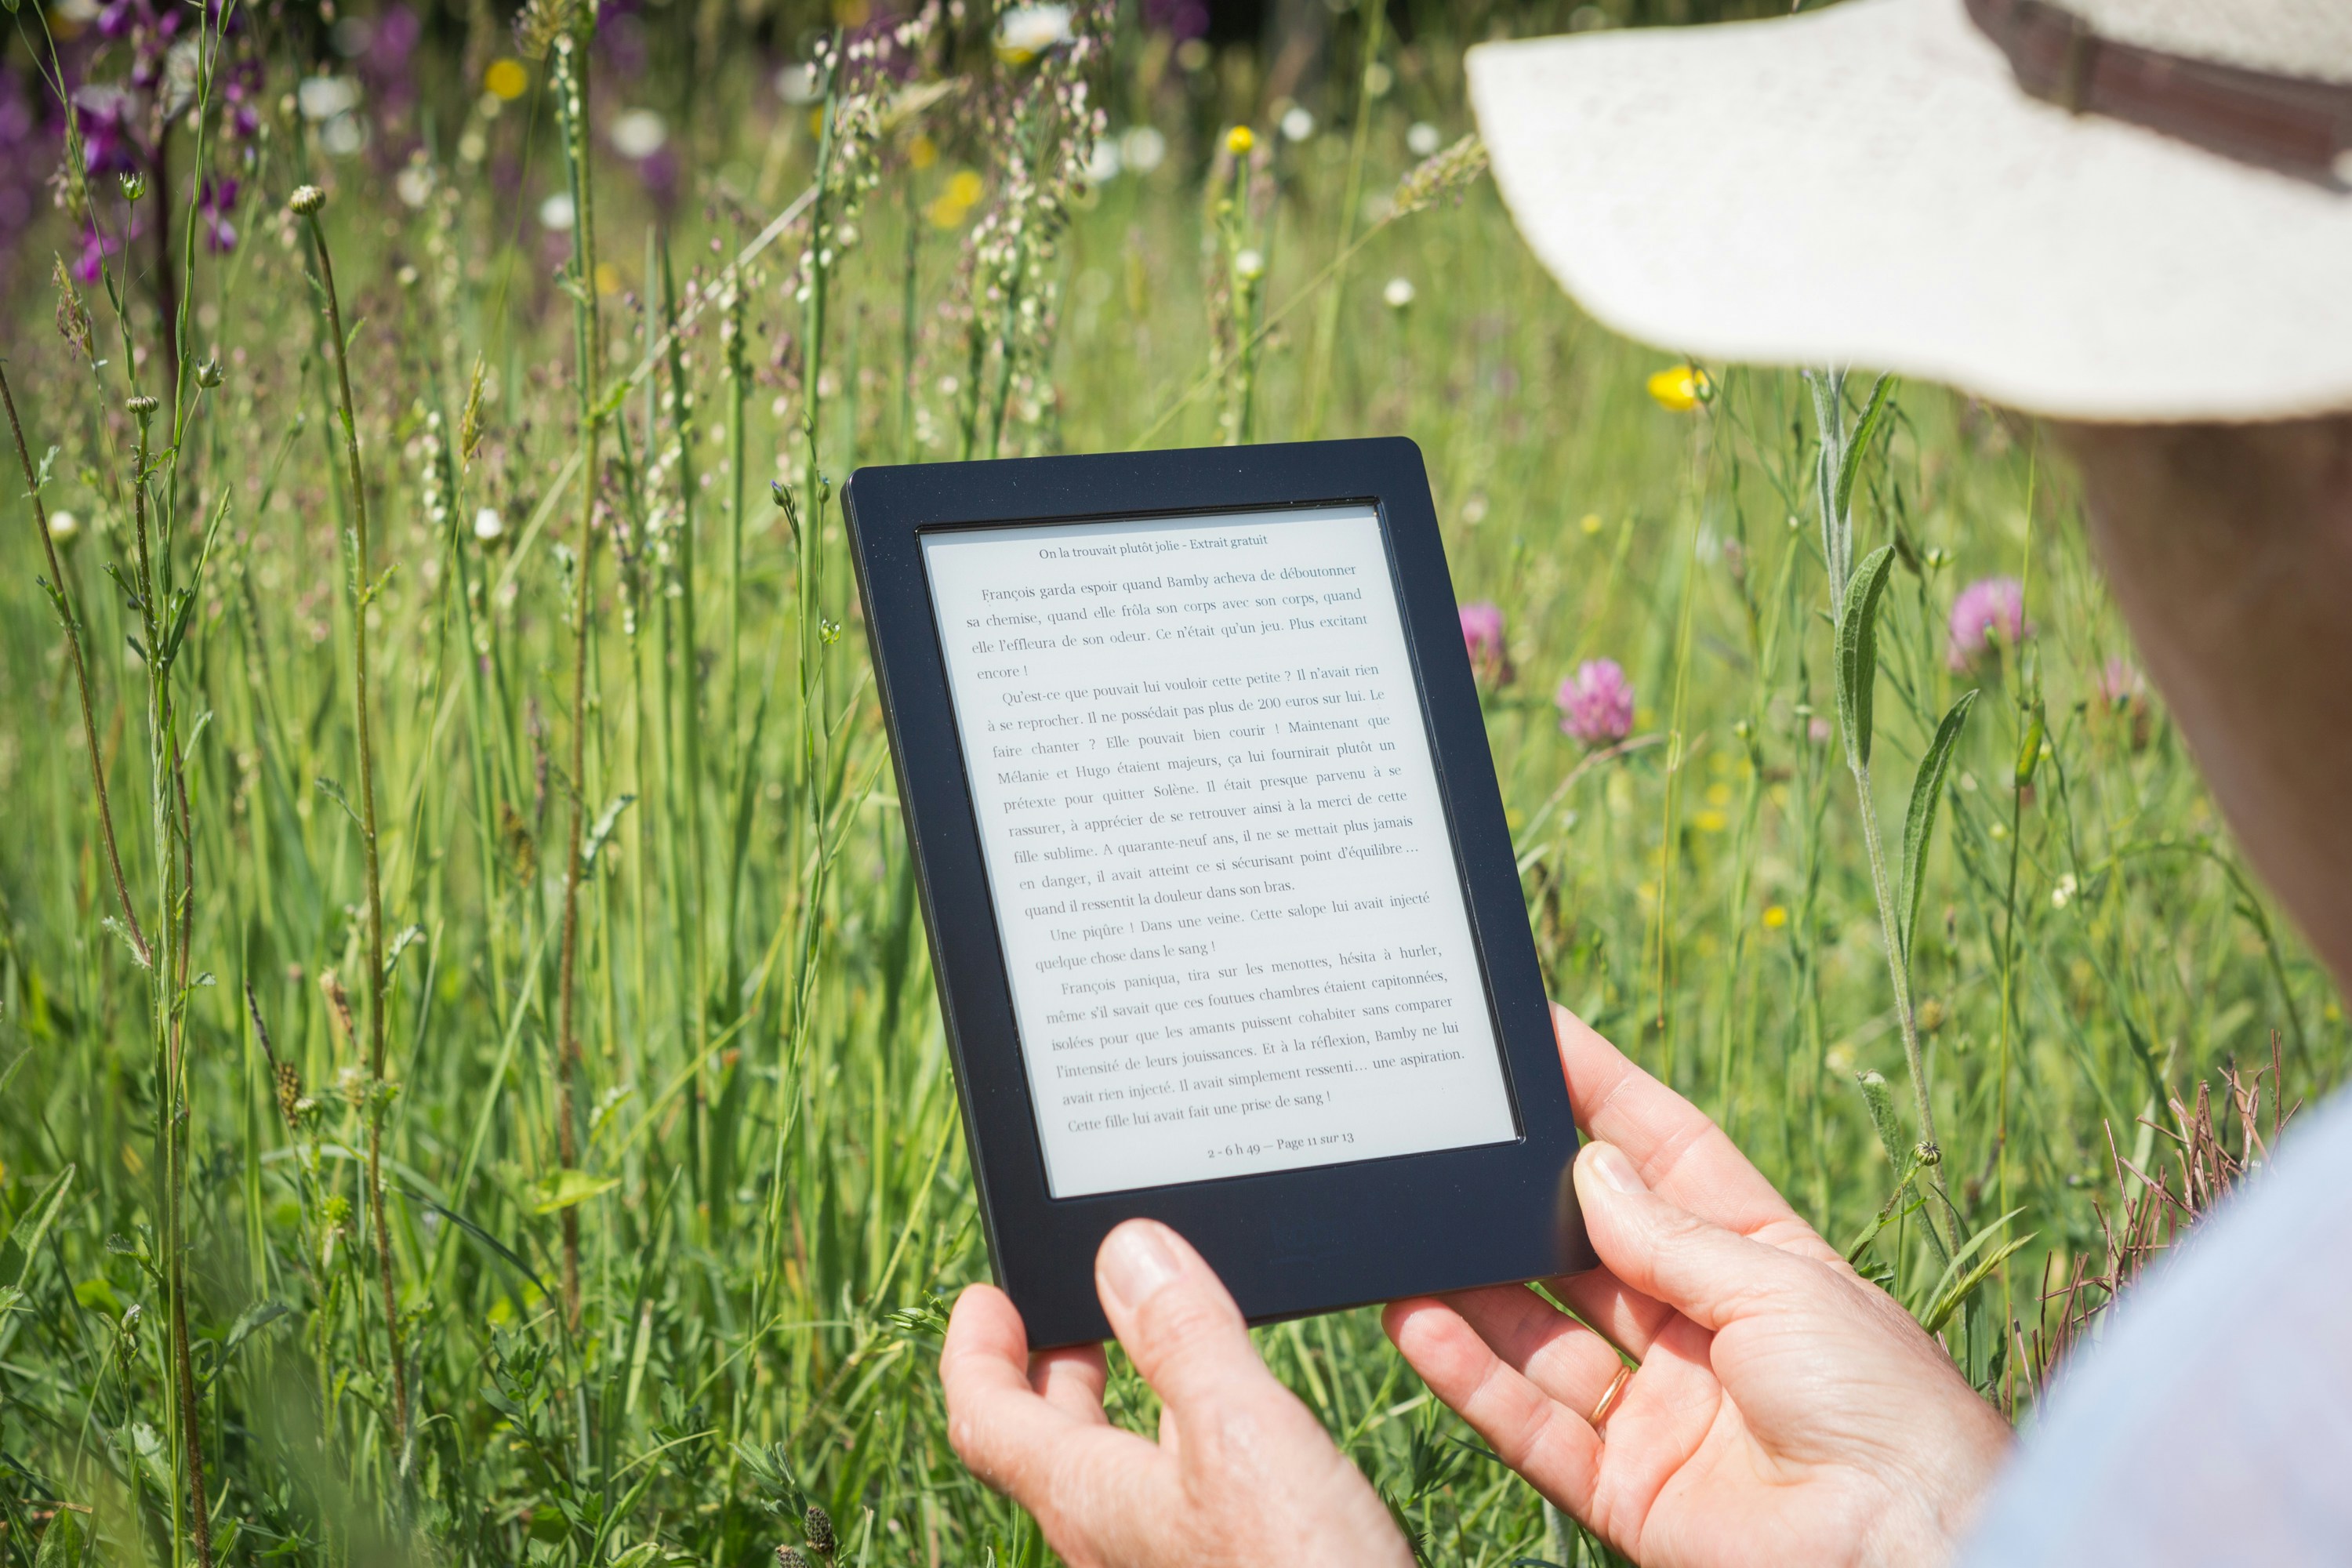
{"type": "Point", "coordinates": [1785, 1410]}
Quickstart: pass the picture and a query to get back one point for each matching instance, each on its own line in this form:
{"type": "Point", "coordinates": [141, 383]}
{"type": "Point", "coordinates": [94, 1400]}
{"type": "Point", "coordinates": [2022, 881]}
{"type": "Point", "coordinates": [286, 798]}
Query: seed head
{"type": "Point", "coordinates": [818, 1527]}
{"type": "Point", "coordinates": [290, 1092]}
{"type": "Point", "coordinates": [789, 1557]}
{"type": "Point", "coordinates": [306, 200]}
{"type": "Point", "coordinates": [208, 373]}
{"type": "Point", "coordinates": [141, 407]}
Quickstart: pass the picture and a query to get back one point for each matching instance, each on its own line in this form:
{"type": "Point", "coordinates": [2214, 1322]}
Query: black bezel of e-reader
{"type": "Point", "coordinates": [1289, 1243]}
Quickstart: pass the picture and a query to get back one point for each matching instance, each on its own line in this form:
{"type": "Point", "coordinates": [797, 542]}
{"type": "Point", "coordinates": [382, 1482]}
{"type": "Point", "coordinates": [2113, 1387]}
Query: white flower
{"type": "Point", "coordinates": [1027, 31]}
{"type": "Point", "coordinates": [1399, 293]}
{"type": "Point", "coordinates": [1421, 139]}
{"type": "Point", "coordinates": [798, 84]}
{"type": "Point", "coordinates": [415, 186]}
{"type": "Point", "coordinates": [324, 97]}
{"type": "Point", "coordinates": [343, 135]}
{"type": "Point", "coordinates": [555, 212]}
{"type": "Point", "coordinates": [638, 132]}
{"type": "Point", "coordinates": [1142, 149]}
{"type": "Point", "coordinates": [1102, 162]}
{"type": "Point", "coordinates": [1297, 124]}
{"type": "Point", "coordinates": [2061, 895]}
{"type": "Point", "coordinates": [63, 526]}
{"type": "Point", "coordinates": [1249, 266]}
{"type": "Point", "coordinates": [488, 525]}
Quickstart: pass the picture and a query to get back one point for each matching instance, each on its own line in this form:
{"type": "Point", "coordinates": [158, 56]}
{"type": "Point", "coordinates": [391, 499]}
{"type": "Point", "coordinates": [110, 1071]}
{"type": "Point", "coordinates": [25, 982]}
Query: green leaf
{"type": "Point", "coordinates": [334, 792]}
{"type": "Point", "coordinates": [1882, 1116]}
{"type": "Point", "coordinates": [1857, 645]}
{"type": "Point", "coordinates": [1857, 446]}
{"type": "Point", "coordinates": [1919, 822]}
{"type": "Point", "coordinates": [562, 1189]}
{"type": "Point", "coordinates": [61, 1542]}
{"type": "Point", "coordinates": [1950, 1291]}
{"type": "Point", "coordinates": [601, 830]}
{"type": "Point", "coordinates": [44, 1212]}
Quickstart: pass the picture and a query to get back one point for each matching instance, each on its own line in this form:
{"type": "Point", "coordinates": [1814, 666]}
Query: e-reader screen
{"type": "Point", "coordinates": [1230, 909]}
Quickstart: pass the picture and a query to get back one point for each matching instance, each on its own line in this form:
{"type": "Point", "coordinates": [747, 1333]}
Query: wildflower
{"type": "Point", "coordinates": [215, 202]}
{"type": "Point", "coordinates": [1297, 123]}
{"type": "Point", "coordinates": [789, 1557]}
{"type": "Point", "coordinates": [555, 213]}
{"type": "Point", "coordinates": [1775, 917]}
{"type": "Point", "coordinates": [322, 98]}
{"type": "Point", "coordinates": [1399, 293]}
{"type": "Point", "coordinates": [140, 405]}
{"type": "Point", "coordinates": [64, 526]}
{"type": "Point", "coordinates": [1817, 730]}
{"type": "Point", "coordinates": [1681, 388]}
{"type": "Point", "coordinates": [1142, 149]}
{"type": "Point", "coordinates": [1591, 523]}
{"type": "Point", "coordinates": [488, 526]}
{"type": "Point", "coordinates": [2123, 692]}
{"type": "Point", "coordinates": [306, 200]}
{"type": "Point", "coordinates": [2063, 893]}
{"type": "Point", "coordinates": [1596, 704]}
{"type": "Point", "coordinates": [1240, 140]}
{"type": "Point", "coordinates": [506, 79]}
{"type": "Point", "coordinates": [1249, 266]}
{"type": "Point", "coordinates": [209, 374]}
{"type": "Point", "coordinates": [1024, 32]}
{"type": "Point", "coordinates": [1102, 162]}
{"type": "Point", "coordinates": [1421, 138]}
{"type": "Point", "coordinates": [818, 1526]}
{"type": "Point", "coordinates": [638, 133]}
{"type": "Point", "coordinates": [1987, 616]}
{"type": "Point", "coordinates": [1482, 635]}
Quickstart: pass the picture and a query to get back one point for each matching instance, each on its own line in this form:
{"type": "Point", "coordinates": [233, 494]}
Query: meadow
{"type": "Point", "coordinates": [471, 1088]}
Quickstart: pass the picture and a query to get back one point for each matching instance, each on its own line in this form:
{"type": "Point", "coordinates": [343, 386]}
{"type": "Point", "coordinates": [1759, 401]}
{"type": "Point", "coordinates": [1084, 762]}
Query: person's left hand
{"type": "Point", "coordinates": [1243, 1473]}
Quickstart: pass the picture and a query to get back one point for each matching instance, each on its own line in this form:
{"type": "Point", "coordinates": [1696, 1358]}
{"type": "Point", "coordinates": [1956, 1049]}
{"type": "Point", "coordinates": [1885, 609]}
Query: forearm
{"type": "Point", "coordinates": [2230, 550]}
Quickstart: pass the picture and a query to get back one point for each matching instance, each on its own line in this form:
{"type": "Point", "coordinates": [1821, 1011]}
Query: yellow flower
{"type": "Point", "coordinates": [608, 278]}
{"type": "Point", "coordinates": [1591, 523]}
{"type": "Point", "coordinates": [922, 152]}
{"type": "Point", "coordinates": [1240, 140]}
{"type": "Point", "coordinates": [965, 188]}
{"type": "Point", "coordinates": [507, 79]}
{"type": "Point", "coordinates": [1775, 917]}
{"type": "Point", "coordinates": [1681, 388]}
{"type": "Point", "coordinates": [1710, 821]}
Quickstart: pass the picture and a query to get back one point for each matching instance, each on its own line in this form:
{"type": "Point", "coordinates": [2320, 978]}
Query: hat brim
{"type": "Point", "coordinates": [1867, 186]}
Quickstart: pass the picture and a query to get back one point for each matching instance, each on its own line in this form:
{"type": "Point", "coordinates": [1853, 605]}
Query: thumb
{"type": "Point", "coordinates": [1712, 1276]}
{"type": "Point", "coordinates": [1175, 1318]}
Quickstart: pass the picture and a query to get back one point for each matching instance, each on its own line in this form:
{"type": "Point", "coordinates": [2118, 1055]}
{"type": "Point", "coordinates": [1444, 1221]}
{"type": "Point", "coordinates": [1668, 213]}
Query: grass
{"type": "Point", "coordinates": [503, 1116]}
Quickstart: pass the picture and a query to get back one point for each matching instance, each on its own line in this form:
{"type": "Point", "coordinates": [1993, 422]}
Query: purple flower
{"type": "Point", "coordinates": [1180, 19]}
{"type": "Point", "coordinates": [95, 249]}
{"type": "Point", "coordinates": [2119, 683]}
{"type": "Point", "coordinates": [214, 204]}
{"type": "Point", "coordinates": [1482, 634]}
{"type": "Point", "coordinates": [1596, 704]}
{"type": "Point", "coordinates": [1987, 617]}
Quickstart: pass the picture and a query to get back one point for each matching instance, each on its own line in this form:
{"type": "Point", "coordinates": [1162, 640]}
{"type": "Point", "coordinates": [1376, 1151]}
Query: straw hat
{"type": "Point", "coordinates": [2125, 210]}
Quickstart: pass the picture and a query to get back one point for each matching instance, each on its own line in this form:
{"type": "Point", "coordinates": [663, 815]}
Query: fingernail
{"type": "Point", "coordinates": [1135, 1261]}
{"type": "Point", "coordinates": [1616, 1172]}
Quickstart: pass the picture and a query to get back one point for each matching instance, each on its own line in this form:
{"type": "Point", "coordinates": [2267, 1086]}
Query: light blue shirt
{"type": "Point", "coordinates": [2212, 1424]}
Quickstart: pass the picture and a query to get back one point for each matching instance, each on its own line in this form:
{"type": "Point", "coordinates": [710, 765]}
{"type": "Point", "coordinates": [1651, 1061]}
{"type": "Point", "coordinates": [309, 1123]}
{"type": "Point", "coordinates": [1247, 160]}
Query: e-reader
{"type": "Point", "coordinates": [1222, 905]}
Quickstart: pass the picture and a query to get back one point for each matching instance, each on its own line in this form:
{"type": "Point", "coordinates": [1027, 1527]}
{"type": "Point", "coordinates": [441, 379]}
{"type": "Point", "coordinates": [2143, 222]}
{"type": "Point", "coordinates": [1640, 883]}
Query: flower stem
{"type": "Point", "coordinates": [62, 597]}
{"type": "Point", "coordinates": [364, 588]}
